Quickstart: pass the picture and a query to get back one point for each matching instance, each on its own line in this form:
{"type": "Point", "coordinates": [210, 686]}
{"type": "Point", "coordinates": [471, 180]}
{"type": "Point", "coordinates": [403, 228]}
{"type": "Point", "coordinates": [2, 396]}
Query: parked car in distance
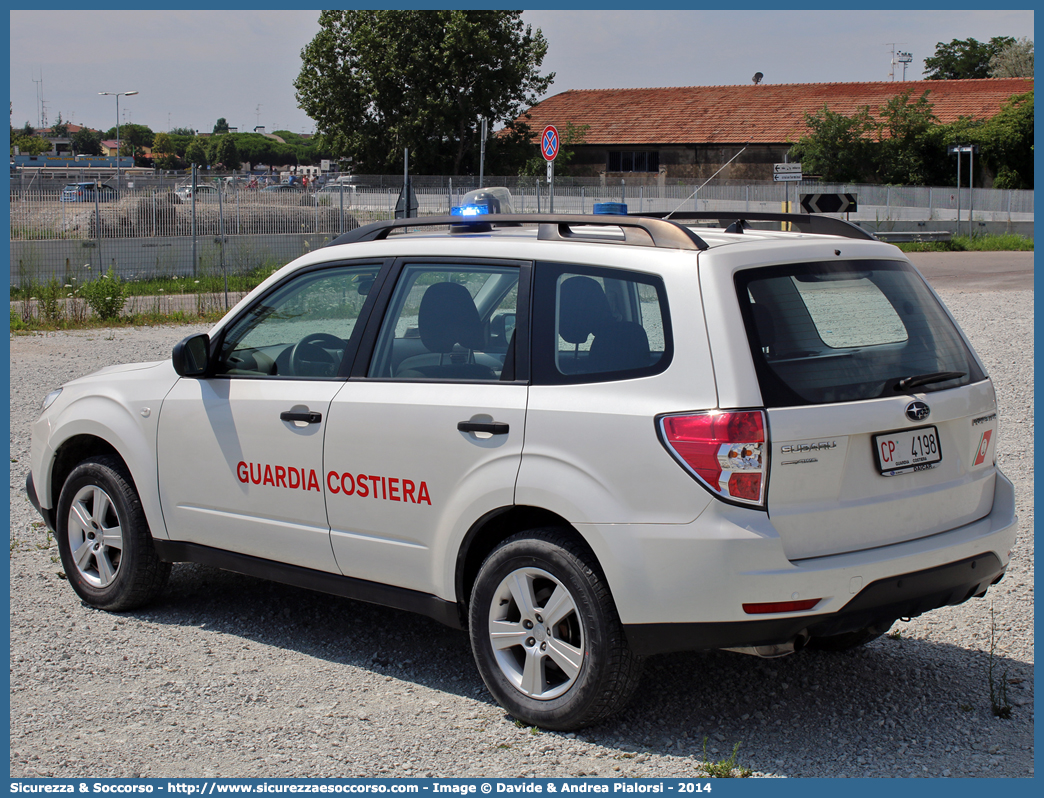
{"type": "Point", "coordinates": [281, 188]}
{"type": "Point", "coordinates": [204, 193]}
{"type": "Point", "coordinates": [332, 195]}
{"type": "Point", "coordinates": [87, 191]}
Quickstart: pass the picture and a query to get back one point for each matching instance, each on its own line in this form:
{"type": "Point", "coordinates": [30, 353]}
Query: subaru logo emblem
{"type": "Point", "coordinates": [918, 411]}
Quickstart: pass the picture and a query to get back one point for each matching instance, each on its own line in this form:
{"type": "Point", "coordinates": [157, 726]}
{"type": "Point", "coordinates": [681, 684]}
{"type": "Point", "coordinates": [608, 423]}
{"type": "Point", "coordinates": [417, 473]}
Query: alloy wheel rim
{"type": "Point", "coordinates": [536, 633]}
{"type": "Point", "coordinates": [95, 536]}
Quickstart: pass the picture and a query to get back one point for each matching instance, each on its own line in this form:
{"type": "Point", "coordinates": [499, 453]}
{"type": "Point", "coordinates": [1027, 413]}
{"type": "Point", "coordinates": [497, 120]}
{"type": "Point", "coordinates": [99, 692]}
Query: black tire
{"type": "Point", "coordinates": [598, 672]}
{"type": "Point", "coordinates": [119, 570]}
{"type": "Point", "coordinates": [848, 640]}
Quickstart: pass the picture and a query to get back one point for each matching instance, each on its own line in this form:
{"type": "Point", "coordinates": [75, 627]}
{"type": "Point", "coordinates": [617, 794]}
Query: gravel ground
{"type": "Point", "coordinates": [229, 676]}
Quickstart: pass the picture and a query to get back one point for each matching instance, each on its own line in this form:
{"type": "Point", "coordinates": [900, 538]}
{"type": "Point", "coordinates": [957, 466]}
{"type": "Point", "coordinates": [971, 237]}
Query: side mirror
{"type": "Point", "coordinates": [191, 356]}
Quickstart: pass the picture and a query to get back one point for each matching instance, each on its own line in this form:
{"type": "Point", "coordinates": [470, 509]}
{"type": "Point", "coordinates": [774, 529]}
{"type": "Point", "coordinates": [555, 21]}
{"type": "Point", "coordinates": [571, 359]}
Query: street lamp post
{"type": "Point", "coordinates": [117, 95]}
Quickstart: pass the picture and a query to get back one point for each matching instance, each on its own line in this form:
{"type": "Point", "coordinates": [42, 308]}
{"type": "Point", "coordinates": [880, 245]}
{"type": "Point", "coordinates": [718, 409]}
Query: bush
{"type": "Point", "coordinates": [106, 295]}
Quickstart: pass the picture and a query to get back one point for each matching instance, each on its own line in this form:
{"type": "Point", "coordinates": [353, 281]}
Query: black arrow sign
{"type": "Point", "coordinates": [828, 203]}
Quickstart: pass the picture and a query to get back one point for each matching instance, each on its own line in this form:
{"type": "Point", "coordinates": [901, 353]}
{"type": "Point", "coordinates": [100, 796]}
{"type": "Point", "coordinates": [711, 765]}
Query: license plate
{"type": "Point", "coordinates": [907, 450]}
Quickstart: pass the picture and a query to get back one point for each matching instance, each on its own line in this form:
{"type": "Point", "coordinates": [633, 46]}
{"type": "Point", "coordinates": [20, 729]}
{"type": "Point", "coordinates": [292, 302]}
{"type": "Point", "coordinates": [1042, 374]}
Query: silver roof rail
{"type": "Point", "coordinates": [637, 230]}
{"type": "Point", "coordinates": [737, 221]}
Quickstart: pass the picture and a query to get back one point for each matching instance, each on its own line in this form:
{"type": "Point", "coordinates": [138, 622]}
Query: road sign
{"type": "Point", "coordinates": [828, 203]}
{"type": "Point", "coordinates": [956, 149]}
{"type": "Point", "coordinates": [787, 177]}
{"type": "Point", "coordinates": [550, 170]}
{"type": "Point", "coordinates": [549, 143]}
{"type": "Point", "coordinates": [786, 168]}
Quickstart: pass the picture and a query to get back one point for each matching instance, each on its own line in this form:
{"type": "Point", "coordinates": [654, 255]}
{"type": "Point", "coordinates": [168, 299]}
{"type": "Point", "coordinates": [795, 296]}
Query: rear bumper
{"type": "Point", "coordinates": [684, 587]}
{"type": "Point", "coordinates": [878, 604]}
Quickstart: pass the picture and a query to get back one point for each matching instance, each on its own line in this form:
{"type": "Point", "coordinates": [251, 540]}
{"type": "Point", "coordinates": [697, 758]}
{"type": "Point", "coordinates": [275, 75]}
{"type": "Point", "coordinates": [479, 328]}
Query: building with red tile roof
{"type": "Point", "coordinates": [690, 131]}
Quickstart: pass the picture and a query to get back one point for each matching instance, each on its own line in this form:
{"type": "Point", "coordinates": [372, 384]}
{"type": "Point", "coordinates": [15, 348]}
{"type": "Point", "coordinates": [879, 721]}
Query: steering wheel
{"type": "Point", "coordinates": [310, 356]}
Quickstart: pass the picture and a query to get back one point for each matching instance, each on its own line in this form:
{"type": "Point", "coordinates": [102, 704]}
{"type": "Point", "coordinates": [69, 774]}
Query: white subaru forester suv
{"type": "Point", "coordinates": [584, 439]}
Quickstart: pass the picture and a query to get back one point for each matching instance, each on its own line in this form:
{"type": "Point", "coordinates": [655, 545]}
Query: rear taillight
{"type": "Point", "coordinates": [725, 450]}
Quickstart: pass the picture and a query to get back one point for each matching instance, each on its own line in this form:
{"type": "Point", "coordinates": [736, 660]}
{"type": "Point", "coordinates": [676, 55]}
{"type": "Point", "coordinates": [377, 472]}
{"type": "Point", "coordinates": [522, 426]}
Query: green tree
{"type": "Point", "coordinates": [162, 144]}
{"type": "Point", "coordinates": [1014, 61]}
{"type": "Point", "coordinates": [1007, 143]}
{"type": "Point", "coordinates": [838, 148]}
{"type": "Point", "coordinates": [30, 145]}
{"type": "Point", "coordinates": [964, 58]}
{"type": "Point", "coordinates": [86, 142]}
{"type": "Point", "coordinates": [133, 138]}
{"type": "Point", "coordinates": [164, 153]}
{"type": "Point", "coordinates": [197, 153]}
{"type": "Point", "coordinates": [180, 143]}
{"type": "Point", "coordinates": [221, 126]}
{"type": "Point", "coordinates": [905, 148]}
{"type": "Point", "coordinates": [182, 131]}
{"type": "Point", "coordinates": [227, 152]}
{"type": "Point", "coordinates": [378, 82]}
{"type": "Point", "coordinates": [60, 129]}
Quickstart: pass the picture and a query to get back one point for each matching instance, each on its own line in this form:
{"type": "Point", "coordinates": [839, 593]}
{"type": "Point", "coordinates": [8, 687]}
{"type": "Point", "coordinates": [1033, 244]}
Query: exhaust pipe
{"type": "Point", "coordinates": [774, 650]}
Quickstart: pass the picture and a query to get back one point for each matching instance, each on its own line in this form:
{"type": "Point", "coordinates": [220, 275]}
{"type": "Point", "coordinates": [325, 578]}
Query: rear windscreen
{"type": "Point", "coordinates": [850, 330]}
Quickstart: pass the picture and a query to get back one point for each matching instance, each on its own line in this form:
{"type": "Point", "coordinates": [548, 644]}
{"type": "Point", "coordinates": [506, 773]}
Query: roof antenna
{"type": "Point", "coordinates": [758, 78]}
{"type": "Point", "coordinates": [705, 182]}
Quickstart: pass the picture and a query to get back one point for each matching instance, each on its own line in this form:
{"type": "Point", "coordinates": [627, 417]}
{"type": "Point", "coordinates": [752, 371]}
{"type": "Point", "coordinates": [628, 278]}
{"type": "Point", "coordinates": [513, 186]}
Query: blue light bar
{"type": "Point", "coordinates": [469, 210]}
{"type": "Point", "coordinates": [611, 208]}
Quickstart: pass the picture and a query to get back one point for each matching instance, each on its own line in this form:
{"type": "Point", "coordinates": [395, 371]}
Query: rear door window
{"type": "Point", "coordinates": [595, 325]}
{"type": "Point", "coordinates": [846, 331]}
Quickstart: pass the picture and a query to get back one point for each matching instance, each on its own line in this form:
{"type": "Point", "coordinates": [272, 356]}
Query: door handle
{"type": "Point", "coordinates": [492, 427]}
{"type": "Point", "coordinates": [309, 417]}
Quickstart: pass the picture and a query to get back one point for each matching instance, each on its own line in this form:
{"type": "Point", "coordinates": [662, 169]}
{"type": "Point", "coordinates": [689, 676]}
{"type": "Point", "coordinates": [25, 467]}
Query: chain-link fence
{"type": "Point", "coordinates": [150, 226]}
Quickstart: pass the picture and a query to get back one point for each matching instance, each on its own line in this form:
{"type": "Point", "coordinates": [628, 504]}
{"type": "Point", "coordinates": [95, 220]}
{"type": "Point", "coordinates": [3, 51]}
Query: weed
{"type": "Point", "coordinates": [725, 768]}
{"type": "Point", "coordinates": [51, 302]}
{"type": "Point", "coordinates": [106, 295]}
{"type": "Point", "coordinates": [965, 707]}
{"type": "Point", "coordinates": [998, 691]}
{"type": "Point", "coordinates": [895, 634]}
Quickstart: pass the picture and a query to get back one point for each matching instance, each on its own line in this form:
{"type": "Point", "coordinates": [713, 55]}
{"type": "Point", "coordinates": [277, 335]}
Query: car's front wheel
{"type": "Point", "coordinates": [104, 538]}
{"type": "Point", "coordinates": [546, 635]}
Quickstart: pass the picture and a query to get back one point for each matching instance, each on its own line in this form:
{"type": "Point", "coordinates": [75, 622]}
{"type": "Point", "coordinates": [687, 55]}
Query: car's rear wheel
{"type": "Point", "coordinates": [104, 539]}
{"type": "Point", "coordinates": [545, 633]}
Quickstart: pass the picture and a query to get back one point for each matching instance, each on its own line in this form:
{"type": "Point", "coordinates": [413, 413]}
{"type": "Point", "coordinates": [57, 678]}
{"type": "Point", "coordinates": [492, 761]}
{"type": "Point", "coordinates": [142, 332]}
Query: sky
{"type": "Point", "coordinates": [191, 67]}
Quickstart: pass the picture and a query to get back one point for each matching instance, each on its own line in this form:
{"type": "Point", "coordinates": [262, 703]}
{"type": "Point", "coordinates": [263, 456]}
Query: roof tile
{"type": "Point", "coordinates": [764, 113]}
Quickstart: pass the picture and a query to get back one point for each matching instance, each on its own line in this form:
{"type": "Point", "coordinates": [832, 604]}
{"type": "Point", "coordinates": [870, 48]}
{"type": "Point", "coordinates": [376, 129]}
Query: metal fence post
{"type": "Point", "coordinates": [97, 230]}
{"type": "Point", "coordinates": [221, 243]}
{"type": "Point", "coordinates": [194, 220]}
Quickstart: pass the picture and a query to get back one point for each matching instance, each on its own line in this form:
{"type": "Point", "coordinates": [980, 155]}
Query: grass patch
{"type": "Point", "coordinates": [726, 768]}
{"type": "Point", "coordinates": [1004, 242]}
{"type": "Point", "coordinates": [140, 319]}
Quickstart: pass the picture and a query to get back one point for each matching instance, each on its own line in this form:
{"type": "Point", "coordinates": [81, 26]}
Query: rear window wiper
{"type": "Point", "coordinates": [927, 379]}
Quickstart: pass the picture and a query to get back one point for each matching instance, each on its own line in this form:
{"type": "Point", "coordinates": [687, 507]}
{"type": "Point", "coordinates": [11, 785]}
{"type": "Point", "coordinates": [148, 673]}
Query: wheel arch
{"type": "Point", "coordinates": [492, 529]}
{"type": "Point", "coordinates": [135, 457]}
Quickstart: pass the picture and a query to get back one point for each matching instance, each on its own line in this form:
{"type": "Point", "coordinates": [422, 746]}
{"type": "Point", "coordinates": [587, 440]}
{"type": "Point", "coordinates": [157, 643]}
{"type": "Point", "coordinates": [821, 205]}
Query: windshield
{"type": "Point", "coordinates": [848, 331]}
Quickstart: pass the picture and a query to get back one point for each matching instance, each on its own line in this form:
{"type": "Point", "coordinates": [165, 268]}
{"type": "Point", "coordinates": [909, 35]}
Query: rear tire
{"type": "Point", "coordinates": [546, 635]}
{"type": "Point", "coordinates": [104, 539]}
